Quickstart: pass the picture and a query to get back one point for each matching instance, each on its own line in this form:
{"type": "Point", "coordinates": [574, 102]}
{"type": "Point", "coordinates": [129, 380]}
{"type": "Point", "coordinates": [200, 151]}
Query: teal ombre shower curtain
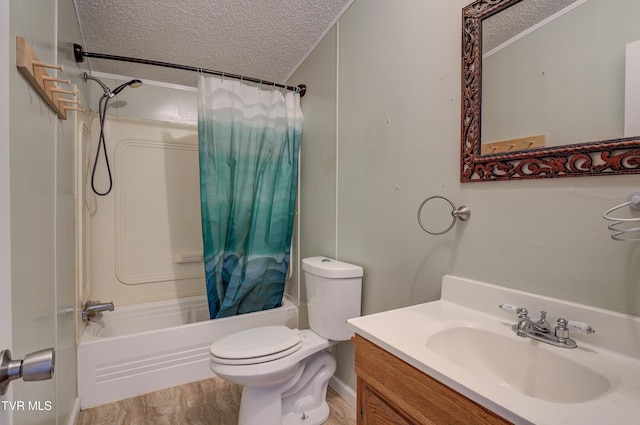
{"type": "Point", "coordinates": [249, 141]}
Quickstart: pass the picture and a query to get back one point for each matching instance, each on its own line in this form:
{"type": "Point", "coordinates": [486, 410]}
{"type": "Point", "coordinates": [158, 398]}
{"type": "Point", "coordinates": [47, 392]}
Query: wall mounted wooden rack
{"type": "Point", "coordinates": [36, 74]}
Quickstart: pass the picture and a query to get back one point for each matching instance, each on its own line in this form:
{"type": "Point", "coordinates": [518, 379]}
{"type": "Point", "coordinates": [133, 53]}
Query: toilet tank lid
{"type": "Point", "coordinates": [326, 267]}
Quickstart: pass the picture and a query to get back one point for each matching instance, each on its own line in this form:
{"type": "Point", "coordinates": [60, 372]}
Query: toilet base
{"type": "Point", "coordinates": [316, 416]}
{"type": "Point", "coordinates": [300, 400]}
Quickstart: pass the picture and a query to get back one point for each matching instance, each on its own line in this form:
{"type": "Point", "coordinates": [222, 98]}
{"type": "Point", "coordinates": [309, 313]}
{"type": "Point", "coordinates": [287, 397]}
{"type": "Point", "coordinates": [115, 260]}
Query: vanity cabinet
{"type": "Point", "coordinates": [390, 391]}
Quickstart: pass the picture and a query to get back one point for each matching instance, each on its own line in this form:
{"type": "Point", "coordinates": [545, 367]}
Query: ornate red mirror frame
{"type": "Point", "coordinates": [605, 157]}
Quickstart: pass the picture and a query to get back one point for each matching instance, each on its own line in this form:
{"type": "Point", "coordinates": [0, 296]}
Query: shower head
{"type": "Point", "coordinates": [133, 83]}
{"type": "Point", "coordinates": [107, 91]}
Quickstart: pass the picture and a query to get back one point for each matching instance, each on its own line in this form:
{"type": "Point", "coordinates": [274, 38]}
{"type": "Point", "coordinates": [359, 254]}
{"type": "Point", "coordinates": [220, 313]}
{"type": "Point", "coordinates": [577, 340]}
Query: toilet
{"type": "Point", "coordinates": [285, 372]}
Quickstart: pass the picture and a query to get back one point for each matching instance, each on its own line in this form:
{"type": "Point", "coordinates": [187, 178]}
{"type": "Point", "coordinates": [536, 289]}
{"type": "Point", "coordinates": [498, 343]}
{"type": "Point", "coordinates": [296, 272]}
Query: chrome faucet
{"type": "Point", "coordinates": [92, 309]}
{"type": "Point", "coordinates": [540, 329]}
{"type": "Point", "coordinates": [542, 325]}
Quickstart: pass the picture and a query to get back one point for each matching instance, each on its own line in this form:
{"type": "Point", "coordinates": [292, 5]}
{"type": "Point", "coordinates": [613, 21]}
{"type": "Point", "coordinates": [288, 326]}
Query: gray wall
{"type": "Point", "coordinates": [397, 84]}
{"type": "Point", "coordinates": [42, 210]}
{"type": "Point", "coordinates": [550, 83]}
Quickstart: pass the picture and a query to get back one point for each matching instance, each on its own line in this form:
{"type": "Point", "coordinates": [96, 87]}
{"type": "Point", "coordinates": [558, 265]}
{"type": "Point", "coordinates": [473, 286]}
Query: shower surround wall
{"type": "Point", "coordinates": [146, 242]}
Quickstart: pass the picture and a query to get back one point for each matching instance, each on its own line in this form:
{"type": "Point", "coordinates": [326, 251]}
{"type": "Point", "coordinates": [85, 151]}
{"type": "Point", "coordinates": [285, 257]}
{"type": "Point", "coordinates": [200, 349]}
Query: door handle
{"type": "Point", "coordinates": [36, 366]}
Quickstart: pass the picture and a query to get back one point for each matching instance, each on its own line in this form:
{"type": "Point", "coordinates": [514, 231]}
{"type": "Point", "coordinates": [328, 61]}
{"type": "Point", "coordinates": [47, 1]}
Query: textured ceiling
{"type": "Point", "coordinates": [518, 18]}
{"type": "Point", "coordinates": [264, 39]}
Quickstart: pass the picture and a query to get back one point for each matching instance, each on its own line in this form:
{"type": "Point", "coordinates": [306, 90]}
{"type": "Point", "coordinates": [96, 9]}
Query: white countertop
{"type": "Point", "coordinates": [613, 352]}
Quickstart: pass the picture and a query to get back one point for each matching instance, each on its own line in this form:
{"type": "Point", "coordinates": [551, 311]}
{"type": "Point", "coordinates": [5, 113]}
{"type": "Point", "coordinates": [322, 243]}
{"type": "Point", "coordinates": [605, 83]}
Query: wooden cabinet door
{"type": "Point", "coordinates": [375, 411]}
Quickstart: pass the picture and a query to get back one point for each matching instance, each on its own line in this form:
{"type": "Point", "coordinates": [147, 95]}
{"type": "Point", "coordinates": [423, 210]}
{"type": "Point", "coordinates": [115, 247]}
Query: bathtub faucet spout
{"type": "Point", "coordinates": [93, 308]}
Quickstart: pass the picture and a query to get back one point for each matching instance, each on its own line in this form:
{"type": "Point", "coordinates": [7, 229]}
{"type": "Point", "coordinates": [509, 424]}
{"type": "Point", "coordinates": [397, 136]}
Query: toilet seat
{"type": "Point", "coordinates": [256, 345]}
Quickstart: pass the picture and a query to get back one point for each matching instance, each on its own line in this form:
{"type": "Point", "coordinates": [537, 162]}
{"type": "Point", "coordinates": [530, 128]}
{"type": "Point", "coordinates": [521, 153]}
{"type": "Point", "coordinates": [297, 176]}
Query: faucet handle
{"type": "Point", "coordinates": [510, 308]}
{"type": "Point", "coordinates": [580, 327]}
{"type": "Point", "coordinates": [520, 311]}
{"type": "Point", "coordinates": [562, 331]}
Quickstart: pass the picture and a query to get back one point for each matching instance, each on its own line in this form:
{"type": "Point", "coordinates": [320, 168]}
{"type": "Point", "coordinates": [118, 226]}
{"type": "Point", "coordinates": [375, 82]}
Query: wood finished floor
{"type": "Point", "coordinates": [211, 401]}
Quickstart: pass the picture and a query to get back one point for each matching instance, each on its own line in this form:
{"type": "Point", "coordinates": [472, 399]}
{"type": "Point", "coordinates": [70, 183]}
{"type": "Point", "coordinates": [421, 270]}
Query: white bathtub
{"type": "Point", "coordinates": [146, 347]}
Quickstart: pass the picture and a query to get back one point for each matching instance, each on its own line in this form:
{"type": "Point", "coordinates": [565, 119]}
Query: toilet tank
{"type": "Point", "coordinates": [334, 293]}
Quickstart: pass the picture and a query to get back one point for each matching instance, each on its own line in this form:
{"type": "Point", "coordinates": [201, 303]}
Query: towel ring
{"type": "Point", "coordinates": [463, 213]}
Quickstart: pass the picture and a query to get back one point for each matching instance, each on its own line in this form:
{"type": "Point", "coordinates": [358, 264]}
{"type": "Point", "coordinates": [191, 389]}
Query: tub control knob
{"type": "Point", "coordinates": [562, 332]}
{"type": "Point", "coordinates": [36, 366]}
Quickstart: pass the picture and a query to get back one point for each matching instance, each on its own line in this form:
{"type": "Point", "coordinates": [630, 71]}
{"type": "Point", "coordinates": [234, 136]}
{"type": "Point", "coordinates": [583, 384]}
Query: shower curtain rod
{"type": "Point", "coordinates": [79, 55]}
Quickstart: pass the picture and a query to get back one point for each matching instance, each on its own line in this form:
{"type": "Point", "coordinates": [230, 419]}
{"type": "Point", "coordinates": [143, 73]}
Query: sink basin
{"type": "Point", "coordinates": [524, 365]}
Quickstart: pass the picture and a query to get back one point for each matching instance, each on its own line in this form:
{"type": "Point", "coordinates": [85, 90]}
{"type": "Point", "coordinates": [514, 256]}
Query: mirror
{"type": "Point", "coordinates": [544, 89]}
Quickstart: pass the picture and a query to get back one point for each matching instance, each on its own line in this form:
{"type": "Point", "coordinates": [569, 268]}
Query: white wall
{"type": "Point", "coordinates": [67, 312]}
{"type": "Point", "coordinates": [152, 101]}
{"type": "Point", "coordinates": [151, 215]}
{"type": "Point", "coordinates": [156, 113]}
{"type": "Point", "coordinates": [398, 115]}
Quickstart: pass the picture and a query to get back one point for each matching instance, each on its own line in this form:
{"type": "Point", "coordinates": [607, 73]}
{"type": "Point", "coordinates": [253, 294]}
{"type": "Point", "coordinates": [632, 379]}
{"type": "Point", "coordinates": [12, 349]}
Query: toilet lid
{"type": "Point", "coordinates": [256, 345]}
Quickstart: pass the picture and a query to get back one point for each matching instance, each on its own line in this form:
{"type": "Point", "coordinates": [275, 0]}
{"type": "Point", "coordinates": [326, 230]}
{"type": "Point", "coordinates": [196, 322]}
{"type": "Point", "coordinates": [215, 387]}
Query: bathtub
{"type": "Point", "coordinates": [146, 347]}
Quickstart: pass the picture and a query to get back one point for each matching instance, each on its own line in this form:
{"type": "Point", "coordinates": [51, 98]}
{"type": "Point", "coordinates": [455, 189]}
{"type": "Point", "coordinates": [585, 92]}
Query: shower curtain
{"type": "Point", "coordinates": [249, 140]}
